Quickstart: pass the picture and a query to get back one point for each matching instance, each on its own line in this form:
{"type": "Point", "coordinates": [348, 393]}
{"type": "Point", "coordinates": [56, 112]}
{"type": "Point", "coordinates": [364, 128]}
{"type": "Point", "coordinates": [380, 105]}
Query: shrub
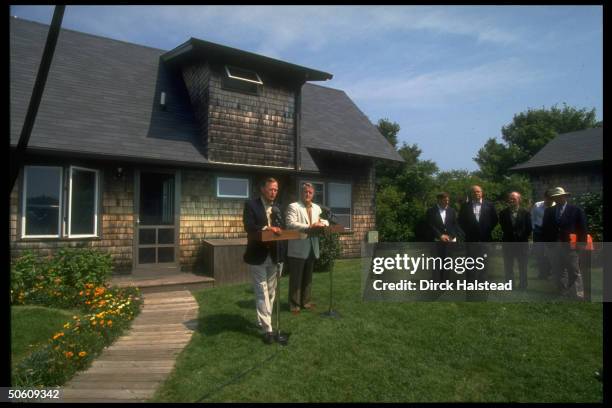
{"type": "Point", "coordinates": [592, 205]}
{"type": "Point", "coordinates": [55, 281]}
{"type": "Point", "coordinates": [329, 245]}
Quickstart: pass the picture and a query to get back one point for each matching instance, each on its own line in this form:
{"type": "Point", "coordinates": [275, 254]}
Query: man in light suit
{"type": "Point", "coordinates": [303, 215]}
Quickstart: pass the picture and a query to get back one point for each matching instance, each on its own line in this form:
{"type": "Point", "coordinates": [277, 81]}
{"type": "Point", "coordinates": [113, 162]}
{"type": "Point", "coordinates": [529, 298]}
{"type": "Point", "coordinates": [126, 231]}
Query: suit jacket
{"type": "Point", "coordinates": [573, 221]}
{"type": "Point", "coordinates": [478, 231]}
{"type": "Point", "coordinates": [520, 231]}
{"type": "Point", "coordinates": [254, 219]}
{"type": "Point", "coordinates": [436, 227]}
{"type": "Point", "coordinates": [297, 219]}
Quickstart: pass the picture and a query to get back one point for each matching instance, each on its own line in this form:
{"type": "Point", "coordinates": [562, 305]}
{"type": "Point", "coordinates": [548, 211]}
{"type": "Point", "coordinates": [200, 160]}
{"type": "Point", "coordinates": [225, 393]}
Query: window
{"type": "Point", "coordinates": [241, 80]}
{"type": "Point", "coordinates": [243, 75]}
{"type": "Point", "coordinates": [42, 201]}
{"type": "Point", "coordinates": [232, 187]}
{"type": "Point", "coordinates": [339, 200]}
{"type": "Point", "coordinates": [83, 202]}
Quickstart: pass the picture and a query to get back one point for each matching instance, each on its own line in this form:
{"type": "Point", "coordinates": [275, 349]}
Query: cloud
{"type": "Point", "coordinates": [443, 87]}
{"type": "Point", "coordinates": [277, 29]}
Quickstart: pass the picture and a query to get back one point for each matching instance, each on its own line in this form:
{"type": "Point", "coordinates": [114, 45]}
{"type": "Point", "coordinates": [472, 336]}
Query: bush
{"type": "Point", "coordinates": [592, 205]}
{"type": "Point", "coordinates": [55, 281]}
{"type": "Point", "coordinates": [329, 245]}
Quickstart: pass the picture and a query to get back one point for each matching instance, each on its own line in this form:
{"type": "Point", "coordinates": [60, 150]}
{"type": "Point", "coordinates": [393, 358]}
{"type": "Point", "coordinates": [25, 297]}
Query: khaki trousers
{"type": "Point", "coordinates": [300, 280]}
{"type": "Point", "coordinates": [264, 286]}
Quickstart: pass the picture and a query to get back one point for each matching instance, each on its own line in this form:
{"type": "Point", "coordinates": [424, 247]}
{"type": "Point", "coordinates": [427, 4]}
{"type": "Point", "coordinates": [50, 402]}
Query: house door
{"type": "Point", "coordinates": [157, 219]}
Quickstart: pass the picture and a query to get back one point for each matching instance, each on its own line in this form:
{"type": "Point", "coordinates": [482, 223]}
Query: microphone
{"type": "Point", "coordinates": [329, 215]}
{"type": "Point", "coordinates": [277, 217]}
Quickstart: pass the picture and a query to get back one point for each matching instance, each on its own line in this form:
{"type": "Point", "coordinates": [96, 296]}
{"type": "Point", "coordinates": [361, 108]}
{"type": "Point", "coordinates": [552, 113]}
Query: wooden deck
{"type": "Point", "coordinates": [131, 369]}
{"type": "Point", "coordinates": [152, 281]}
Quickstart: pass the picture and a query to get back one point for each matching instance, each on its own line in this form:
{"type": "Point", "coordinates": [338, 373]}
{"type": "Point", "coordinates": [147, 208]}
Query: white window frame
{"type": "Point", "coordinates": [96, 206]}
{"type": "Point", "coordinates": [227, 71]}
{"type": "Point", "coordinates": [248, 187]}
{"type": "Point", "coordinates": [350, 214]}
{"type": "Point", "coordinates": [24, 202]}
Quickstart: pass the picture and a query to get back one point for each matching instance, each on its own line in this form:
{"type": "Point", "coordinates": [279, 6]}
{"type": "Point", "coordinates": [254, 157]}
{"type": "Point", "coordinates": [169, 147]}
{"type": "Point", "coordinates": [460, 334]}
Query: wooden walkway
{"type": "Point", "coordinates": [132, 368]}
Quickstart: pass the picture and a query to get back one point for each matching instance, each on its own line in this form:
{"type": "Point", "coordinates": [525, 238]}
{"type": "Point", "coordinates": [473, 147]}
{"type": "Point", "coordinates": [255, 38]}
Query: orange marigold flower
{"type": "Point", "coordinates": [109, 322]}
{"type": "Point", "coordinates": [58, 335]}
{"type": "Point", "coordinates": [69, 354]}
{"type": "Point", "coordinates": [101, 322]}
{"type": "Point", "coordinates": [82, 354]}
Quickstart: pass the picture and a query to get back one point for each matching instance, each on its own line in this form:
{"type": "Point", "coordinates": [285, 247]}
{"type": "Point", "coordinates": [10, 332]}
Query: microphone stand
{"type": "Point", "coordinates": [331, 312]}
{"type": "Point", "coordinates": [277, 222]}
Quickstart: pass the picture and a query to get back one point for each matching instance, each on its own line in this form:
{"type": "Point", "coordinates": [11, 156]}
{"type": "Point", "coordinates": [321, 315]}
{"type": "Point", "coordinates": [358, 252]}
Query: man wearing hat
{"type": "Point", "coordinates": [559, 222]}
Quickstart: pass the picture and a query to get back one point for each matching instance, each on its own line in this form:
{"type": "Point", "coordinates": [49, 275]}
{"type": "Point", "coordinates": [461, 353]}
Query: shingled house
{"type": "Point", "coordinates": [571, 160]}
{"type": "Point", "coordinates": [146, 153]}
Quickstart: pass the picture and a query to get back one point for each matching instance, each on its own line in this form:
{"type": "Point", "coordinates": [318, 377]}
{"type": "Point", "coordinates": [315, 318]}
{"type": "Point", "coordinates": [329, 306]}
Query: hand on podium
{"type": "Point", "coordinates": [275, 230]}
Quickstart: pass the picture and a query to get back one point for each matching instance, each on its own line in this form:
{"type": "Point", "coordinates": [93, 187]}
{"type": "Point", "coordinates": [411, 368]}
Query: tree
{"type": "Point", "coordinates": [528, 132]}
{"type": "Point", "coordinates": [389, 130]}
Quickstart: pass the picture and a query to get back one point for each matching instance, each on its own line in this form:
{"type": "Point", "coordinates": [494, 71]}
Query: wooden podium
{"type": "Point", "coordinates": [287, 235]}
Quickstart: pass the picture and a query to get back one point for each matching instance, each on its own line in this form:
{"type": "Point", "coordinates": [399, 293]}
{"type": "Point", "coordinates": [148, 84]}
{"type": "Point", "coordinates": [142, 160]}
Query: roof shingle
{"type": "Point", "coordinates": [582, 146]}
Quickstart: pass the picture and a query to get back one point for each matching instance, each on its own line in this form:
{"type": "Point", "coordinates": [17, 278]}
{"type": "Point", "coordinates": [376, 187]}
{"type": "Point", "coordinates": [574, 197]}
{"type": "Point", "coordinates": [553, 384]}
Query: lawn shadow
{"type": "Point", "coordinates": [250, 304]}
{"type": "Point", "coordinates": [220, 323]}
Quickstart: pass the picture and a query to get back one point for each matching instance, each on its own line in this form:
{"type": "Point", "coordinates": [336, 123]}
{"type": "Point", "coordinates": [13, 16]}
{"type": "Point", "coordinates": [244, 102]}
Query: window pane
{"type": "Point", "coordinates": [233, 187]}
{"type": "Point", "coordinates": [339, 195]}
{"type": "Point", "coordinates": [165, 255]}
{"type": "Point", "coordinates": [156, 199]}
{"type": "Point", "coordinates": [146, 255]}
{"type": "Point", "coordinates": [42, 200]}
{"type": "Point", "coordinates": [146, 236]}
{"type": "Point", "coordinates": [339, 201]}
{"type": "Point", "coordinates": [165, 236]}
{"type": "Point", "coordinates": [83, 202]}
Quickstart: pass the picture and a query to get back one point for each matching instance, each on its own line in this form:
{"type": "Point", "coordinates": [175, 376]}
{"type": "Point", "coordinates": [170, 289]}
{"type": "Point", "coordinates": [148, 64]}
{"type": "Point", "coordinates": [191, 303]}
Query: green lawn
{"type": "Point", "coordinates": [32, 326]}
{"type": "Point", "coordinates": [383, 351]}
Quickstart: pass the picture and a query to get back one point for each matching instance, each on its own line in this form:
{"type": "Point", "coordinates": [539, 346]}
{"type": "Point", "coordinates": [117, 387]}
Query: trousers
{"type": "Point", "coordinates": [264, 285]}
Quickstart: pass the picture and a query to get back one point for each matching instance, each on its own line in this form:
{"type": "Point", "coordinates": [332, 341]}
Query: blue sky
{"type": "Point", "coordinates": [451, 76]}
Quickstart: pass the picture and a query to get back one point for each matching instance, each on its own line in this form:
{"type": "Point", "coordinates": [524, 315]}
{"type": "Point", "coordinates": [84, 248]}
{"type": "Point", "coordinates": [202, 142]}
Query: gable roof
{"type": "Point", "coordinates": [331, 121]}
{"type": "Point", "coordinates": [579, 147]}
{"type": "Point", "coordinates": [101, 99]}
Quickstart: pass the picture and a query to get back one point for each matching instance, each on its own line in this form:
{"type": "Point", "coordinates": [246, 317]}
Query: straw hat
{"type": "Point", "coordinates": [557, 191]}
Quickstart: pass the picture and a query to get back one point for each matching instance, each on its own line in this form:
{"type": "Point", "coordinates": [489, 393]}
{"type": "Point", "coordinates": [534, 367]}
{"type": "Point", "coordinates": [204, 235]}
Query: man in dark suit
{"type": "Point", "coordinates": [259, 215]}
{"type": "Point", "coordinates": [515, 223]}
{"type": "Point", "coordinates": [559, 222]}
{"type": "Point", "coordinates": [477, 218]}
{"type": "Point", "coordinates": [441, 221]}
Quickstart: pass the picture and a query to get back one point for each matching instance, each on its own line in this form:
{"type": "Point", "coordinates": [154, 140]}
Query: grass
{"type": "Point", "coordinates": [389, 352]}
{"type": "Point", "coordinates": [32, 326]}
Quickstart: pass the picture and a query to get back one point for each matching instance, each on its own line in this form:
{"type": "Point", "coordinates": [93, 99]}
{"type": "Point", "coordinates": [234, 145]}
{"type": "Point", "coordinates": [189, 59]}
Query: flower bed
{"type": "Point", "coordinates": [107, 312]}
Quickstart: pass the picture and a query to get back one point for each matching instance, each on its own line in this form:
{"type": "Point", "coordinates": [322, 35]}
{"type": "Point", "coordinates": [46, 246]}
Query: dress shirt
{"type": "Point", "coordinates": [442, 214]}
{"type": "Point", "coordinates": [476, 206]}
{"type": "Point", "coordinates": [537, 213]}
{"type": "Point", "coordinates": [268, 208]}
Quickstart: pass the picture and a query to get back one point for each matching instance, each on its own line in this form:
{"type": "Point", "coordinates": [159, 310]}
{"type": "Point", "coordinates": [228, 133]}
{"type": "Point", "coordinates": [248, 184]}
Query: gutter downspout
{"type": "Point", "coordinates": [297, 124]}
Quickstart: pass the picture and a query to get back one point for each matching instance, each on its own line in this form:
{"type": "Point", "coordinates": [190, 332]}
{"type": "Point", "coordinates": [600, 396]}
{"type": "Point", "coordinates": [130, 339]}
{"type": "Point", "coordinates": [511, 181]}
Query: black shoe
{"type": "Point", "coordinates": [268, 338]}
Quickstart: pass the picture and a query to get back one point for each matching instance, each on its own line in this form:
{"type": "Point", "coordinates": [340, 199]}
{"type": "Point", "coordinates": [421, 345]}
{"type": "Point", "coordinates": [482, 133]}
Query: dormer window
{"type": "Point", "coordinates": [242, 80]}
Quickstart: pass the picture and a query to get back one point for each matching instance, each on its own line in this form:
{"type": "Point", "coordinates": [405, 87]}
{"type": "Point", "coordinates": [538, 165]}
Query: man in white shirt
{"type": "Point", "coordinates": [303, 215]}
{"type": "Point", "coordinates": [537, 216]}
